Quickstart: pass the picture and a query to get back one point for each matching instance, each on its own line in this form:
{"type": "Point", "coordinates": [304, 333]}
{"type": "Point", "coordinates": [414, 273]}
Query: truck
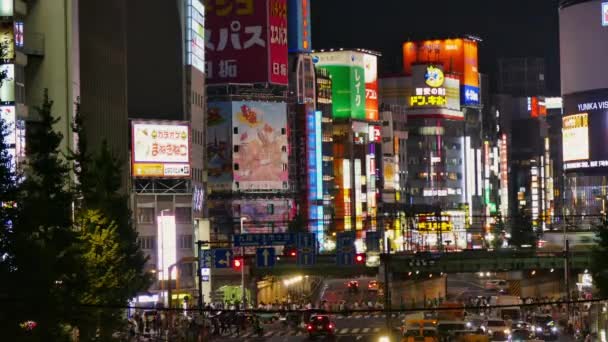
{"type": "Point", "coordinates": [504, 309]}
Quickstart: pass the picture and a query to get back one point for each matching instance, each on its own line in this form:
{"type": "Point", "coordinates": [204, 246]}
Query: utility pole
{"type": "Point", "coordinates": [387, 288]}
{"type": "Point", "coordinates": [199, 273]}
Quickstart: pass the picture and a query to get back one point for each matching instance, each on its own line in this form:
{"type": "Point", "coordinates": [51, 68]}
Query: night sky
{"type": "Point", "coordinates": [511, 28]}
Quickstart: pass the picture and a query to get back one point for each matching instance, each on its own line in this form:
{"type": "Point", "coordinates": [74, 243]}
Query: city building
{"type": "Point", "coordinates": [521, 76]}
{"type": "Point", "coordinates": [168, 124]}
{"type": "Point", "coordinates": [441, 92]}
{"type": "Point", "coordinates": [585, 109]}
{"type": "Point", "coordinates": [357, 140]}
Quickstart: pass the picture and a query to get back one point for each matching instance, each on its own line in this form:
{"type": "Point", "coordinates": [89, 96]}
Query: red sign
{"type": "Point", "coordinates": [240, 34]}
{"type": "Point", "coordinates": [277, 58]}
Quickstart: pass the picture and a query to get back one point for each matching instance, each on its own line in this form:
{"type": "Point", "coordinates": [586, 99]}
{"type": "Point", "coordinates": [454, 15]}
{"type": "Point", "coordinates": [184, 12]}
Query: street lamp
{"type": "Point", "coordinates": [243, 295]}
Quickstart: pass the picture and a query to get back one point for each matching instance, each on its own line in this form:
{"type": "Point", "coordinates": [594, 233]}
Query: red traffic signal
{"type": "Point", "coordinates": [290, 252]}
{"type": "Point", "coordinates": [237, 264]}
{"type": "Point", "coordinates": [360, 258]}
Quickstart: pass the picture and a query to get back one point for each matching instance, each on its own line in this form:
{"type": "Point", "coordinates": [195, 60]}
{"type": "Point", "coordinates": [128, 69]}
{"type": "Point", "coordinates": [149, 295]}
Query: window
{"type": "Point", "coordinates": [283, 131]}
{"type": "Point", "coordinates": [183, 214]}
{"type": "Point", "coordinates": [236, 166]}
{"type": "Point", "coordinates": [145, 215]}
{"type": "Point", "coordinates": [270, 209]}
{"type": "Point", "coordinates": [185, 242]}
{"type": "Point", "coordinates": [147, 242]}
{"type": "Point", "coordinates": [236, 130]}
{"type": "Point", "coordinates": [236, 148]}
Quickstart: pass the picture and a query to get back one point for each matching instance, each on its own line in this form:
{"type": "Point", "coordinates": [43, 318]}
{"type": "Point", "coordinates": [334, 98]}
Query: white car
{"type": "Point", "coordinates": [492, 325]}
{"type": "Point", "coordinates": [497, 284]}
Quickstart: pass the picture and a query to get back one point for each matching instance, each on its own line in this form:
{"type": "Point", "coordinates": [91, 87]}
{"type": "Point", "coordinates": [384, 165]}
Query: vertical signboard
{"type": "Point", "coordinates": [243, 30]}
{"type": "Point", "coordinates": [348, 82]}
{"type": "Point", "coordinates": [370, 63]}
{"type": "Point", "coordinates": [7, 113]}
{"type": "Point", "coordinates": [195, 34]}
{"type": "Point", "coordinates": [260, 137]}
{"type": "Point", "coordinates": [219, 146]}
{"type": "Point", "coordinates": [315, 171]}
{"type": "Point", "coordinates": [166, 246]}
{"type": "Point", "coordinates": [7, 38]}
{"type": "Point", "coordinates": [6, 8]}
{"type": "Point", "coordinates": [605, 14]}
{"type": "Point", "coordinates": [299, 26]}
{"type": "Point", "coordinates": [575, 137]}
{"type": "Point", "coordinates": [7, 90]}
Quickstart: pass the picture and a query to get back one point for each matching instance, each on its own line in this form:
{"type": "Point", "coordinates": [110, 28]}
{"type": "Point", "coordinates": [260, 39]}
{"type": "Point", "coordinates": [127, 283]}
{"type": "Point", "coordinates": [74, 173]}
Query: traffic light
{"type": "Point", "coordinates": [360, 258]}
{"type": "Point", "coordinates": [237, 264]}
{"type": "Point", "coordinates": [290, 252]}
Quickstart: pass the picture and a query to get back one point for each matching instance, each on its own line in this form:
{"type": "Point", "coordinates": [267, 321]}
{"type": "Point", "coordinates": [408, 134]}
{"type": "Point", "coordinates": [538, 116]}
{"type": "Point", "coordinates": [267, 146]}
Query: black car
{"type": "Point", "coordinates": [521, 335]}
{"type": "Point", "coordinates": [320, 325]}
{"type": "Point", "coordinates": [353, 286]}
{"type": "Point", "coordinates": [545, 328]}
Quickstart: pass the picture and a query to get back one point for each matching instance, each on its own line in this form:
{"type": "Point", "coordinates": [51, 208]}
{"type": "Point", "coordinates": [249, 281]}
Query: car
{"type": "Point", "coordinates": [353, 286]}
{"type": "Point", "coordinates": [521, 335]}
{"type": "Point", "coordinates": [545, 328]}
{"type": "Point", "coordinates": [499, 336]}
{"type": "Point", "coordinates": [320, 325]}
{"type": "Point", "coordinates": [373, 285]}
{"type": "Point", "coordinates": [424, 334]}
{"type": "Point", "coordinates": [494, 325]}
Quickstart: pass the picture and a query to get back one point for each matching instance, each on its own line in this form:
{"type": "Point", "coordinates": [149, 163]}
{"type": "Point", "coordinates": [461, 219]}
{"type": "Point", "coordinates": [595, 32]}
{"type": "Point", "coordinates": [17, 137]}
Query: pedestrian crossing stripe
{"type": "Point", "coordinates": [282, 333]}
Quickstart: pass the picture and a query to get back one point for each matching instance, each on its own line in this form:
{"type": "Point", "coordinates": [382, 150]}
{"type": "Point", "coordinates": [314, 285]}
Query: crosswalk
{"type": "Point", "coordinates": [366, 316]}
{"type": "Point", "coordinates": [288, 333]}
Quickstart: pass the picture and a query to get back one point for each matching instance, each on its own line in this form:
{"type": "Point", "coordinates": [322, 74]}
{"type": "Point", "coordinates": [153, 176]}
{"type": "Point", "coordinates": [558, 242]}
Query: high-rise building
{"type": "Point", "coordinates": [522, 76]}
{"type": "Point", "coordinates": [584, 84]}
{"type": "Point", "coordinates": [166, 107]}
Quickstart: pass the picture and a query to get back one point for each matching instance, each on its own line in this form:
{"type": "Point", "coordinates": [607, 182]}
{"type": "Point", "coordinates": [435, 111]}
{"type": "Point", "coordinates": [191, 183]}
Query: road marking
{"type": "Point", "coordinates": [343, 331]}
{"type": "Point", "coordinates": [355, 330]}
{"type": "Point", "coordinates": [366, 316]}
{"type": "Point", "coordinates": [268, 334]}
{"type": "Point", "coordinates": [365, 330]}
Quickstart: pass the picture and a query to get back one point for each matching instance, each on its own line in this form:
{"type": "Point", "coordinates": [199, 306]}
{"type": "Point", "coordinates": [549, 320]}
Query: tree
{"type": "Point", "coordinates": [8, 215]}
{"type": "Point", "coordinates": [522, 232]}
{"type": "Point", "coordinates": [103, 204]}
{"type": "Point", "coordinates": [42, 239]}
{"type": "Point", "coordinates": [598, 261]}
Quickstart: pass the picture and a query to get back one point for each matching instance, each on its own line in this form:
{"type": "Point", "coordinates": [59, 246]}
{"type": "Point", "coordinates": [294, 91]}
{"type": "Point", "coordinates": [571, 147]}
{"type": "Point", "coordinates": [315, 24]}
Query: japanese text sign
{"type": "Point", "coordinates": [239, 31]}
{"type": "Point", "coordinates": [161, 149]}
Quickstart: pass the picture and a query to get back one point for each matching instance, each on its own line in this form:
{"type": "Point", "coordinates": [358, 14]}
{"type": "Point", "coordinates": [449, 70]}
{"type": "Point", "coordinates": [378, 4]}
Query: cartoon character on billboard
{"type": "Point", "coordinates": [434, 76]}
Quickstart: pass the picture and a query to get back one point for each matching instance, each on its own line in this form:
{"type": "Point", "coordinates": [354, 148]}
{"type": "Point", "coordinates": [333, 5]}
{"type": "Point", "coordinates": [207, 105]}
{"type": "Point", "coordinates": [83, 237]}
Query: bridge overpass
{"type": "Point", "coordinates": [457, 262]}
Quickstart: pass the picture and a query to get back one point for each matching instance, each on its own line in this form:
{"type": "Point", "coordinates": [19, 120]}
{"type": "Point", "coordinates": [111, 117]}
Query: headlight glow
{"type": "Point", "coordinates": [539, 329]}
{"type": "Point", "coordinates": [384, 339]}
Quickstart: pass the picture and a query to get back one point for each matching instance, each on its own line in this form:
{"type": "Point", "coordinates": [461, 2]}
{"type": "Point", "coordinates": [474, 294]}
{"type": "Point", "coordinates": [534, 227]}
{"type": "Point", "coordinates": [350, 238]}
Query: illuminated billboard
{"type": "Point", "coordinates": [160, 149]}
{"type": "Point", "coordinates": [264, 215]}
{"type": "Point", "coordinates": [219, 146]}
{"type": "Point", "coordinates": [243, 30]}
{"type": "Point", "coordinates": [166, 246]}
{"type": "Point", "coordinates": [299, 26]}
{"type": "Point", "coordinates": [195, 34]}
{"type": "Point", "coordinates": [347, 70]}
{"type": "Point", "coordinates": [7, 38]}
{"type": "Point", "coordinates": [8, 115]}
{"type": "Point", "coordinates": [584, 134]}
{"type": "Point", "coordinates": [370, 63]}
{"type": "Point", "coordinates": [575, 137]}
{"type": "Point", "coordinates": [7, 90]}
{"type": "Point", "coordinates": [260, 137]}
{"type": "Point", "coordinates": [457, 56]}
{"type": "Point", "coordinates": [604, 13]}
{"type": "Point", "coordinates": [6, 8]}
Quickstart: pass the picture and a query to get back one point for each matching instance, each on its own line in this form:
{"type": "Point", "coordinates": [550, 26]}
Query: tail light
{"type": "Point", "coordinates": [330, 326]}
{"type": "Point", "coordinates": [309, 327]}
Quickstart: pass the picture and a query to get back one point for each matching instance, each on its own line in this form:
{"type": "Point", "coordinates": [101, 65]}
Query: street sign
{"type": "Point", "coordinates": [204, 258]}
{"type": "Point", "coordinates": [253, 240]}
{"type": "Point", "coordinates": [306, 256]}
{"type": "Point", "coordinates": [265, 257]}
{"type": "Point", "coordinates": [306, 240]}
{"type": "Point", "coordinates": [205, 274]}
{"type": "Point", "coordinates": [345, 248]}
{"type": "Point", "coordinates": [222, 258]}
{"type": "Point", "coordinates": [372, 241]}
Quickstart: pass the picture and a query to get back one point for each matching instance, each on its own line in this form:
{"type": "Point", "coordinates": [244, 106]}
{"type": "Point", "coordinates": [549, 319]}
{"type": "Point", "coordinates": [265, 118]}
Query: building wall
{"type": "Point", "coordinates": [103, 62]}
{"type": "Point", "coordinates": [58, 69]}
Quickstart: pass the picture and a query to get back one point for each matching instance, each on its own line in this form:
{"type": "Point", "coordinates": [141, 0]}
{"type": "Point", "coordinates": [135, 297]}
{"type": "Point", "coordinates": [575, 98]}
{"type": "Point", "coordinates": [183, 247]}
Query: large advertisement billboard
{"type": "Point", "coordinates": [458, 56]}
{"type": "Point", "coordinates": [195, 34]}
{"type": "Point", "coordinates": [299, 26]}
{"type": "Point", "coordinates": [264, 216]}
{"type": "Point", "coordinates": [584, 134]}
{"type": "Point", "coordinates": [219, 146]}
{"type": "Point", "coordinates": [160, 149]}
{"type": "Point", "coordinates": [260, 136]}
{"type": "Point", "coordinates": [245, 30]}
{"type": "Point", "coordinates": [347, 70]}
